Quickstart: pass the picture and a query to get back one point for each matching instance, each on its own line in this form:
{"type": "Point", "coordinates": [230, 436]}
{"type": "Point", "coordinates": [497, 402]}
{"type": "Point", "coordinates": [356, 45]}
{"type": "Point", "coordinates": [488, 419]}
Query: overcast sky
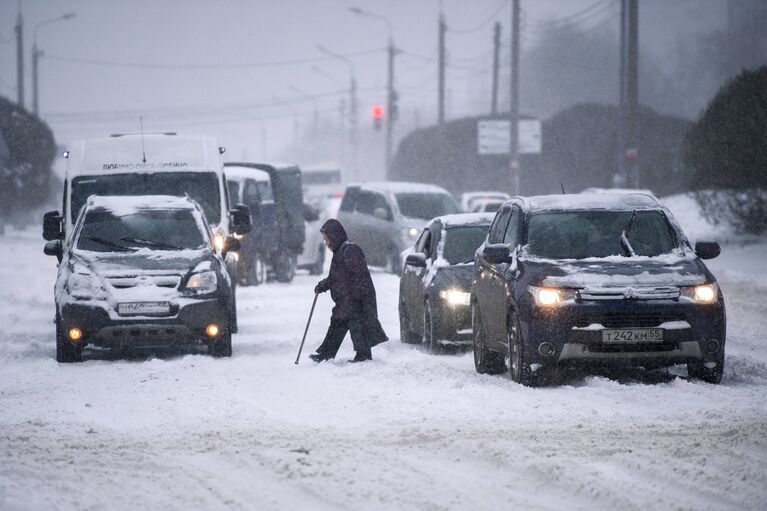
{"type": "Point", "coordinates": [215, 66]}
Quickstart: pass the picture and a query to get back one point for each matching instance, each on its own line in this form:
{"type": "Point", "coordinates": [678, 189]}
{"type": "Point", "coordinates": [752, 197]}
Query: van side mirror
{"type": "Point", "coordinates": [382, 214]}
{"type": "Point", "coordinates": [240, 219]}
{"type": "Point", "coordinates": [52, 226]}
{"type": "Point", "coordinates": [54, 248]}
{"type": "Point", "coordinates": [416, 259]}
{"type": "Point", "coordinates": [707, 249]}
{"type": "Point", "coordinates": [497, 253]}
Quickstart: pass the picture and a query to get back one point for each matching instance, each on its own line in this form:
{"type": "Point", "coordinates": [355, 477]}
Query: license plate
{"type": "Point", "coordinates": [143, 308]}
{"type": "Point", "coordinates": [633, 335]}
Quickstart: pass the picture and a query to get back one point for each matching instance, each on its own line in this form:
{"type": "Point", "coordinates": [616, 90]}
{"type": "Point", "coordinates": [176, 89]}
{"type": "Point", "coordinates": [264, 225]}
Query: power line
{"type": "Point", "coordinates": [177, 67]}
{"type": "Point", "coordinates": [570, 18]}
{"type": "Point", "coordinates": [484, 23]}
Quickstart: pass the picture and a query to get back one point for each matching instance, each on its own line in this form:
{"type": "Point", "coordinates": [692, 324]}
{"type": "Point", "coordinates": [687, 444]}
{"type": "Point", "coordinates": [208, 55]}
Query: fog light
{"type": "Point", "coordinates": [546, 349]}
{"type": "Point", "coordinates": [212, 330]}
{"type": "Point", "coordinates": [712, 346]}
{"type": "Point", "coordinates": [75, 334]}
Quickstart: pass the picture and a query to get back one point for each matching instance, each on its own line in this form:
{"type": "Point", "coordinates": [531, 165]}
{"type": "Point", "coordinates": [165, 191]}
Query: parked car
{"type": "Point", "coordinates": [386, 218]}
{"type": "Point", "coordinates": [140, 272]}
{"type": "Point", "coordinates": [278, 231]}
{"type": "Point", "coordinates": [324, 203]}
{"type": "Point", "coordinates": [470, 200]}
{"type": "Point", "coordinates": [435, 283]}
{"type": "Point", "coordinates": [588, 279]}
{"type": "Point", "coordinates": [489, 206]}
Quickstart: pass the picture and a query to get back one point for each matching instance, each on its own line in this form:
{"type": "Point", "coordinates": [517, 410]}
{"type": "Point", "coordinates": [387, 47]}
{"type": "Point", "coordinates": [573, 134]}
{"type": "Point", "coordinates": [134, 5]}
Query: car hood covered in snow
{"type": "Point", "coordinates": [142, 261]}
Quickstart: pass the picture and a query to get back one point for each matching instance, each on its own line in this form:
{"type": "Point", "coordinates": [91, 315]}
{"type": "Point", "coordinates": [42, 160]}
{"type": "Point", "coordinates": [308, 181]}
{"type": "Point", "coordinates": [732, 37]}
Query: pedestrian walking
{"type": "Point", "coordinates": [354, 295]}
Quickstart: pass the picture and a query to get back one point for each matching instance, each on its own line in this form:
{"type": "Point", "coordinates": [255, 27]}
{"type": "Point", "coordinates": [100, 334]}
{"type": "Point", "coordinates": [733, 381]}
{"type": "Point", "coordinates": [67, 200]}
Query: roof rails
{"type": "Point", "coordinates": [145, 133]}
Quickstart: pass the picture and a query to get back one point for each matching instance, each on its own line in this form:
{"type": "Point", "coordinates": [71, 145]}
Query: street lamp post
{"type": "Point", "coordinates": [37, 53]}
{"type": "Point", "coordinates": [390, 92]}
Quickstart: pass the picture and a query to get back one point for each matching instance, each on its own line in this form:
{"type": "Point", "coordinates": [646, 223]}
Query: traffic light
{"type": "Point", "coordinates": [378, 113]}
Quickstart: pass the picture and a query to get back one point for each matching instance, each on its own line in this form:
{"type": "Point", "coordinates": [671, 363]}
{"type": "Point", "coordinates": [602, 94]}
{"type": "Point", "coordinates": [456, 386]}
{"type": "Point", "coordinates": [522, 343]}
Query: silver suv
{"type": "Point", "coordinates": [385, 218]}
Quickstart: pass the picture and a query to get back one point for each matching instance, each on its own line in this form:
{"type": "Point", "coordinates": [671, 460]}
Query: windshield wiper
{"type": "Point", "coordinates": [624, 236]}
{"type": "Point", "coordinates": [150, 243]}
{"type": "Point", "coordinates": [111, 244]}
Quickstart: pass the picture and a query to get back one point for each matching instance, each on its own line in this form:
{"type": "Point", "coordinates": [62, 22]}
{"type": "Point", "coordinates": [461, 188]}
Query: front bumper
{"type": "Point", "coordinates": [452, 322]}
{"type": "Point", "coordinates": [573, 333]}
{"type": "Point", "coordinates": [185, 328]}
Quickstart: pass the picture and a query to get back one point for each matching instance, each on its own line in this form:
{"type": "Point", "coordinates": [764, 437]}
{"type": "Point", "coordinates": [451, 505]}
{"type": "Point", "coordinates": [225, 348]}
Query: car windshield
{"type": "Point", "coordinates": [203, 187]}
{"type": "Point", "coordinates": [425, 206]}
{"type": "Point", "coordinates": [157, 229]}
{"type": "Point", "coordinates": [583, 234]}
{"type": "Point", "coordinates": [461, 242]}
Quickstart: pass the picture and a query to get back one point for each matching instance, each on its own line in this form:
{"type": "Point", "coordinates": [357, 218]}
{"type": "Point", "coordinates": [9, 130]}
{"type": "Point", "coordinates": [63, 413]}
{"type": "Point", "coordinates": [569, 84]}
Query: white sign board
{"type": "Point", "coordinates": [493, 137]}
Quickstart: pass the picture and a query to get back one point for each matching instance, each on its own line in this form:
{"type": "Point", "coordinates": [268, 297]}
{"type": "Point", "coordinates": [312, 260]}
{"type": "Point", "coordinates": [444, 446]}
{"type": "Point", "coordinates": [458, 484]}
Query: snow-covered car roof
{"type": "Point", "coordinates": [598, 201]}
{"type": "Point", "coordinates": [238, 172]}
{"type": "Point", "coordinates": [136, 153]}
{"type": "Point", "coordinates": [401, 187]}
{"type": "Point", "coordinates": [127, 204]}
{"type": "Point", "coordinates": [250, 164]}
{"type": "Point", "coordinates": [459, 219]}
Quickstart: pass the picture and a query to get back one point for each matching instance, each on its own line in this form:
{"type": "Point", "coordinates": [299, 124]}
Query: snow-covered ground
{"type": "Point", "coordinates": [407, 431]}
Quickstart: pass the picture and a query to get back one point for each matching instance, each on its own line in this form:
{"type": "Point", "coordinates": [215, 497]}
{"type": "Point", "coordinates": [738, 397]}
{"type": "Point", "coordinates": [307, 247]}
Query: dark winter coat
{"type": "Point", "coordinates": [349, 282]}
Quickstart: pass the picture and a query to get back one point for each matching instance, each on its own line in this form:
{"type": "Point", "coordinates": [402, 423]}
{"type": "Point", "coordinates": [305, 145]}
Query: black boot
{"type": "Point", "coordinates": [361, 356]}
{"type": "Point", "coordinates": [317, 357]}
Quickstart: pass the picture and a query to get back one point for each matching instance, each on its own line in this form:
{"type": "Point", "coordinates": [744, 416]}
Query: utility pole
{"type": "Point", "coordinates": [391, 108]}
{"type": "Point", "coordinates": [496, 63]}
{"type": "Point", "coordinates": [619, 179]}
{"type": "Point", "coordinates": [19, 28]}
{"type": "Point", "coordinates": [632, 92]}
{"type": "Point", "coordinates": [36, 54]}
{"type": "Point", "coordinates": [442, 28]}
{"type": "Point", "coordinates": [514, 96]}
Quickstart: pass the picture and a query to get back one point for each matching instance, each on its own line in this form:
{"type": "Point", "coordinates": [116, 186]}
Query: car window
{"type": "Point", "coordinates": [233, 188]}
{"type": "Point", "coordinates": [511, 236]}
{"type": "Point", "coordinates": [583, 234]}
{"type": "Point", "coordinates": [366, 202]}
{"type": "Point", "coordinates": [251, 192]}
{"type": "Point", "coordinates": [349, 200]}
{"type": "Point", "coordinates": [425, 205]}
{"type": "Point", "coordinates": [462, 242]}
{"type": "Point", "coordinates": [436, 236]}
{"type": "Point", "coordinates": [379, 201]}
{"type": "Point", "coordinates": [422, 245]}
{"type": "Point", "coordinates": [156, 229]}
{"type": "Point", "coordinates": [498, 227]}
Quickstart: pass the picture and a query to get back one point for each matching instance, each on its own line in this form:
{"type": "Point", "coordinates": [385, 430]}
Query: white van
{"type": "Point", "coordinates": [149, 164]}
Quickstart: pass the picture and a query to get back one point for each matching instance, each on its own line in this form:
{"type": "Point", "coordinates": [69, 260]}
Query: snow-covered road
{"type": "Point", "coordinates": [408, 431]}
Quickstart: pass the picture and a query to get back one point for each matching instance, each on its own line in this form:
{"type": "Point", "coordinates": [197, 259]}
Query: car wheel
{"type": "Point", "coordinates": [65, 352]}
{"type": "Point", "coordinates": [428, 330]}
{"type": "Point", "coordinates": [405, 335]}
{"type": "Point", "coordinates": [256, 272]}
{"type": "Point", "coordinates": [485, 360]}
{"type": "Point", "coordinates": [319, 266]}
{"type": "Point", "coordinates": [286, 268]}
{"type": "Point", "coordinates": [698, 371]}
{"type": "Point", "coordinates": [223, 345]}
{"type": "Point", "coordinates": [519, 366]}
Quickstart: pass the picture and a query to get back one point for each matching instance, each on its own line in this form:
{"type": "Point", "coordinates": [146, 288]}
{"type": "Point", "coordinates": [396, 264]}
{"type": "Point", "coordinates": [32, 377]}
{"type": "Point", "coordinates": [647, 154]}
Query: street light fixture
{"type": "Point", "coordinates": [37, 53]}
{"type": "Point", "coordinates": [391, 107]}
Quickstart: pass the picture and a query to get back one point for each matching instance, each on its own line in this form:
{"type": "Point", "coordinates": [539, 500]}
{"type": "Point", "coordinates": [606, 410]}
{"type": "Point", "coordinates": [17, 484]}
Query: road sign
{"type": "Point", "coordinates": [493, 137]}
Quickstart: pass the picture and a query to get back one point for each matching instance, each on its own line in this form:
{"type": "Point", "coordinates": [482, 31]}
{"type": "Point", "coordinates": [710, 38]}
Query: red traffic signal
{"type": "Point", "coordinates": [378, 112]}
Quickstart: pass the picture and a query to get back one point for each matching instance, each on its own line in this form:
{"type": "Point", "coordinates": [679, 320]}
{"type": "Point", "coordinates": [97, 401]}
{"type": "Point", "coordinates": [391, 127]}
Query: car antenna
{"type": "Point", "coordinates": [563, 188]}
{"type": "Point", "coordinates": [143, 151]}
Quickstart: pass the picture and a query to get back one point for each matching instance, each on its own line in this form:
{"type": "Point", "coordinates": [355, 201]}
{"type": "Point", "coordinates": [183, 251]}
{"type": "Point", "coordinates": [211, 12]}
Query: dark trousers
{"type": "Point", "coordinates": [364, 327]}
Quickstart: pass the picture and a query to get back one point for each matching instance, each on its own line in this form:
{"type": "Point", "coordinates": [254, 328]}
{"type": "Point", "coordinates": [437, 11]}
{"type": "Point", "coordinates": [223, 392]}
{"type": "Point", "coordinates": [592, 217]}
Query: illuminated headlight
{"type": "Point", "coordinates": [219, 241]}
{"type": "Point", "coordinates": [203, 282]}
{"type": "Point", "coordinates": [550, 296]}
{"type": "Point", "coordinates": [237, 236]}
{"type": "Point", "coordinates": [455, 297]}
{"type": "Point", "coordinates": [706, 293]}
{"type": "Point", "coordinates": [409, 235]}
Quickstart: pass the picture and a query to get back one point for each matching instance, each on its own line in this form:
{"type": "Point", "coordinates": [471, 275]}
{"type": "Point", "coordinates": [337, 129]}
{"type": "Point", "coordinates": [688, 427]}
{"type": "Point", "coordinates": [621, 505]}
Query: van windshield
{"type": "Point", "coordinates": [584, 234]}
{"type": "Point", "coordinates": [425, 206]}
{"type": "Point", "coordinates": [200, 186]}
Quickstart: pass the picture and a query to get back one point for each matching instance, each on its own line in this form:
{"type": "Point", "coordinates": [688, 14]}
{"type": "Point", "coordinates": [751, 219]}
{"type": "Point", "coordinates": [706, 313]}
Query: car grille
{"type": "Point", "coordinates": [631, 348]}
{"type": "Point", "coordinates": [628, 319]}
{"type": "Point", "coordinates": [124, 282]}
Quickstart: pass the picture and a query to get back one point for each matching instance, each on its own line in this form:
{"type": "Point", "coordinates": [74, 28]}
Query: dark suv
{"type": "Point", "coordinates": [594, 279]}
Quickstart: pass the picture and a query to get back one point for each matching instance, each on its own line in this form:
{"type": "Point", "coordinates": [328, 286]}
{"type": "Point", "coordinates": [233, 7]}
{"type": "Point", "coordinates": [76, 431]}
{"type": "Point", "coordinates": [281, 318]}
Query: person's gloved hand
{"type": "Point", "coordinates": [321, 286]}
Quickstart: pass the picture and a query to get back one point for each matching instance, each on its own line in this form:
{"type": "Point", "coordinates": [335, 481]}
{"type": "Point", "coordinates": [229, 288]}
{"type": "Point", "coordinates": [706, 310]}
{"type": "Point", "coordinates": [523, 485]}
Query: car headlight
{"type": "Point", "coordinates": [705, 293]}
{"type": "Point", "coordinates": [85, 286]}
{"type": "Point", "coordinates": [551, 296]}
{"type": "Point", "coordinates": [203, 282]}
{"type": "Point", "coordinates": [455, 297]}
{"type": "Point", "coordinates": [219, 241]}
{"type": "Point", "coordinates": [409, 234]}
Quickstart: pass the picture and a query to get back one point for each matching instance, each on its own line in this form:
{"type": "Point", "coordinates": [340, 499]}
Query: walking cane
{"type": "Point", "coordinates": [311, 312]}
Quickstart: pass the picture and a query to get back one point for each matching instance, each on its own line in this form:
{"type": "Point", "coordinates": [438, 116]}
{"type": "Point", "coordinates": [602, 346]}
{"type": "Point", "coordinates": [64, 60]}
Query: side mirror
{"type": "Point", "coordinates": [54, 248]}
{"type": "Point", "coordinates": [416, 259]}
{"type": "Point", "coordinates": [311, 214]}
{"type": "Point", "coordinates": [232, 244]}
{"type": "Point", "coordinates": [497, 253]}
{"type": "Point", "coordinates": [52, 226]}
{"type": "Point", "coordinates": [707, 249]}
{"type": "Point", "coordinates": [382, 214]}
{"type": "Point", "coordinates": [240, 218]}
